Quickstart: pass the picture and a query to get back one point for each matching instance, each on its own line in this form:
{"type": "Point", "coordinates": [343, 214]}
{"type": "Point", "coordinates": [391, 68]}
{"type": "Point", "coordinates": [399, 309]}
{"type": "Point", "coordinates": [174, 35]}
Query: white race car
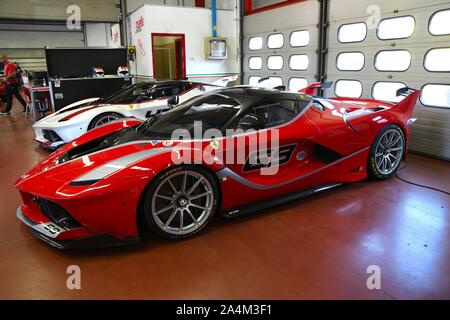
{"type": "Point", "coordinates": [140, 100]}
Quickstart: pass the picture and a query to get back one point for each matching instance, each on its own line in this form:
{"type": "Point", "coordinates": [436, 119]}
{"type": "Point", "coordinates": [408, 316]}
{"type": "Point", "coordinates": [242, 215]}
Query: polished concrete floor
{"type": "Point", "coordinates": [319, 247]}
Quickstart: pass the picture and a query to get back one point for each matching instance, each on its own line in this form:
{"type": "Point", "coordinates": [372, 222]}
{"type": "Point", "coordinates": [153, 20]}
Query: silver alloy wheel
{"type": "Point", "coordinates": [389, 151]}
{"type": "Point", "coordinates": [182, 202]}
{"type": "Point", "coordinates": [105, 119]}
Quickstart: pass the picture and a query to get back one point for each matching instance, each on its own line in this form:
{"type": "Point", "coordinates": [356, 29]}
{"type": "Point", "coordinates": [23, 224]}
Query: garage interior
{"type": "Point", "coordinates": [319, 247]}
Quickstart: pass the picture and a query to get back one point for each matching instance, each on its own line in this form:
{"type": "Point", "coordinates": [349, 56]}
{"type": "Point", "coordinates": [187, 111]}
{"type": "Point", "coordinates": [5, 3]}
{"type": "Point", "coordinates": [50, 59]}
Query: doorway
{"type": "Point", "coordinates": [169, 56]}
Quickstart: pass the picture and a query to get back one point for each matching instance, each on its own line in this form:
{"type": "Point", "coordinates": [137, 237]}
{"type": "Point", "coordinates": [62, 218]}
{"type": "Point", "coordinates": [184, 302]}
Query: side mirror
{"type": "Point", "coordinates": [173, 101]}
{"type": "Point", "coordinates": [251, 121]}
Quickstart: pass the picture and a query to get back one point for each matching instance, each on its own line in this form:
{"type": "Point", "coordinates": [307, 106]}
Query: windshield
{"type": "Point", "coordinates": [213, 111]}
{"type": "Point", "coordinates": [131, 94]}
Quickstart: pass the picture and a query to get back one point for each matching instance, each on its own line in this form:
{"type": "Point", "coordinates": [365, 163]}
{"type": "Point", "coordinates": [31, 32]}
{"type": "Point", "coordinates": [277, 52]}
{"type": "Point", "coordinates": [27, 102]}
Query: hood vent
{"type": "Point", "coordinates": [87, 148]}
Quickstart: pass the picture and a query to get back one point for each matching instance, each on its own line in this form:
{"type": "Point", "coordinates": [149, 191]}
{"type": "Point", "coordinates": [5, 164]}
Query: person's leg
{"type": "Point", "coordinates": [2, 101]}
{"type": "Point", "coordinates": [20, 98]}
{"type": "Point", "coordinates": [8, 97]}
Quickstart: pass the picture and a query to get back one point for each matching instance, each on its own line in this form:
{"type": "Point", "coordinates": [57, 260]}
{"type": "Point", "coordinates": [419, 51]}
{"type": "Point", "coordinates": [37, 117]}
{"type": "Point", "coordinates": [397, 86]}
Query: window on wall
{"type": "Point", "coordinates": [253, 80]}
{"type": "Point", "coordinates": [299, 38]}
{"type": "Point", "coordinates": [396, 28]}
{"type": "Point", "coordinates": [350, 61]}
{"type": "Point", "coordinates": [353, 32]}
{"type": "Point", "coordinates": [348, 88]}
{"type": "Point", "coordinates": [435, 95]}
{"type": "Point", "coordinates": [437, 60]}
{"type": "Point", "coordinates": [387, 91]}
{"type": "Point", "coordinates": [439, 23]}
{"type": "Point", "coordinates": [275, 82]}
{"type": "Point", "coordinates": [255, 63]}
{"type": "Point", "coordinates": [275, 41]}
{"type": "Point", "coordinates": [298, 62]}
{"type": "Point", "coordinates": [392, 60]}
{"type": "Point", "coordinates": [255, 43]}
{"type": "Point", "coordinates": [295, 84]}
{"type": "Point", "coordinates": [275, 62]}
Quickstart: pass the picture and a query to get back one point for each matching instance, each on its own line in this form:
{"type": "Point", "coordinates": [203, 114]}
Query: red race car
{"type": "Point", "coordinates": [230, 151]}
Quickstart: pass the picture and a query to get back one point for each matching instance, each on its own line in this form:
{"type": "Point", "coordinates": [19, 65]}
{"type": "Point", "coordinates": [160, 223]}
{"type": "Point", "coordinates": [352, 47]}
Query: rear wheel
{"type": "Point", "coordinates": [386, 153]}
{"type": "Point", "coordinates": [180, 202]}
{"type": "Point", "coordinates": [104, 118]}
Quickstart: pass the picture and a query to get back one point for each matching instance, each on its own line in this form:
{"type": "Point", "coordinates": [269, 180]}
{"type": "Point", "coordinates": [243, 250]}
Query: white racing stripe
{"type": "Point", "coordinates": [120, 164]}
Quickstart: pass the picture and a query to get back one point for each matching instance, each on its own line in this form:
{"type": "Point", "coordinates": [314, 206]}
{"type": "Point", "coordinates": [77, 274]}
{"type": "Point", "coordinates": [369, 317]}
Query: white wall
{"type": "Point", "coordinates": [96, 35]}
{"type": "Point", "coordinates": [103, 35]}
{"type": "Point", "coordinates": [195, 23]}
{"type": "Point", "coordinates": [132, 5]}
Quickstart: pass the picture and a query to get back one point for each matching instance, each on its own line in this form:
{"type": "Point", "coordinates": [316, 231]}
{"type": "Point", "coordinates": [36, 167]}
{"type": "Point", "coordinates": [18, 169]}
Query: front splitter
{"type": "Point", "coordinates": [98, 241]}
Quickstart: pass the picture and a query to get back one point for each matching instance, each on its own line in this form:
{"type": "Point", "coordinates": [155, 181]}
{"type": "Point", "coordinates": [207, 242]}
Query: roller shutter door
{"type": "Point", "coordinates": [91, 10]}
{"type": "Point", "coordinates": [400, 52]}
{"type": "Point", "coordinates": [281, 43]}
{"type": "Point", "coordinates": [24, 43]}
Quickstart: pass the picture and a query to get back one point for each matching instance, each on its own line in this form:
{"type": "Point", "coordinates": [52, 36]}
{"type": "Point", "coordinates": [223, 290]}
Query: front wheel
{"type": "Point", "coordinates": [386, 153]}
{"type": "Point", "coordinates": [180, 202]}
{"type": "Point", "coordinates": [104, 118]}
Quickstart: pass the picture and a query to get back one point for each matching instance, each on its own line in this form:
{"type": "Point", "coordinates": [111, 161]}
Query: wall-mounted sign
{"type": "Point", "coordinates": [141, 47]}
{"type": "Point", "coordinates": [139, 24]}
{"type": "Point", "coordinates": [115, 35]}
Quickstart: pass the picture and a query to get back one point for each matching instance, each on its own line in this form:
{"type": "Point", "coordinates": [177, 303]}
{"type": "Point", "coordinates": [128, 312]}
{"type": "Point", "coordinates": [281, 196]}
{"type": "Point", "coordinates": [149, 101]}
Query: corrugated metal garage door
{"type": "Point", "coordinates": [90, 10]}
{"type": "Point", "coordinates": [281, 43]}
{"type": "Point", "coordinates": [369, 63]}
{"type": "Point", "coordinates": [24, 42]}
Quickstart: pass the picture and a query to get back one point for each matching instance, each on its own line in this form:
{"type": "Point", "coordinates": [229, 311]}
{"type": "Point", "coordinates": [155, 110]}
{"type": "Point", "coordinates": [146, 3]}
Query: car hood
{"type": "Point", "coordinates": [103, 154]}
{"type": "Point", "coordinates": [69, 115]}
{"type": "Point", "coordinates": [57, 118]}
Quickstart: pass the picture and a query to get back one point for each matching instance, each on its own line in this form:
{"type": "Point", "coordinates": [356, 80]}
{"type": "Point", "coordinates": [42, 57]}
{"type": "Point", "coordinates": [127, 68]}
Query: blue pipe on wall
{"type": "Point", "coordinates": [214, 17]}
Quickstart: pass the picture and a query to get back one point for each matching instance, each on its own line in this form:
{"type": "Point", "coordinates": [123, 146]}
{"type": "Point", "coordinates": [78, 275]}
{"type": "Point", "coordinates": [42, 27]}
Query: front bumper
{"type": "Point", "coordinates": [45, 142]}
{"type": "Point", "coordinates": [53, 136]}
{"type": "Point", "coordinates": [48, 233]}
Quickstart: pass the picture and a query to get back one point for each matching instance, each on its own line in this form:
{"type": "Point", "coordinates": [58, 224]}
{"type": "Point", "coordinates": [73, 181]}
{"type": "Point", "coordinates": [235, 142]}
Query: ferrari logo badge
{"type": "Point", "coordinates": [214, 144]}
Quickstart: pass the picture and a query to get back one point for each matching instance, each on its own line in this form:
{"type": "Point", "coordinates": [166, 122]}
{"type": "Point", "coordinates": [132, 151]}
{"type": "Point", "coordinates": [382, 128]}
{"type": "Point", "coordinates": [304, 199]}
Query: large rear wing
{"type": "Point", "coordinates": [222, 82]}
{"type": "Point", "coordinates": [313, 88]}
{"type": "Point", "coordinates": [407, 105]}
{"type": "Point", "coordinates": [405, 91]}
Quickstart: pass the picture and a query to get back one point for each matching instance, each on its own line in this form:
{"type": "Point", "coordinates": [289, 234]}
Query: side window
{"type": "Point", "coordinates": [137, 91]}
{"type": "Point", "coordinates": [160, 92]}
{"type": "Point", "coordinates": [168, 91]}
{"type": "Point", "coordinates": [177, 89]}
{"type": "Point", "coordinates": [139, 94]}
{"type": "Point", "coordinates": [277, 112]}
{"type": "Point", "coordinates": [187, 86]}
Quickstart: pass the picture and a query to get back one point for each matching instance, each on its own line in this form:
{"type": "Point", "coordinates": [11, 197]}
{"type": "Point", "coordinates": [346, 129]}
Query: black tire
{"type": "Point", "coordinates": [93, 124]}
{"type": "Point", "coordinates": [374, 169]}
{"type": "Point", "coordinates": [162, 187]}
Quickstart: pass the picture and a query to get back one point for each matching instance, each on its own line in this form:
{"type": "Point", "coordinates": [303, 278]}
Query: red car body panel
{"type": "Point", "coordinates": [110, 205]}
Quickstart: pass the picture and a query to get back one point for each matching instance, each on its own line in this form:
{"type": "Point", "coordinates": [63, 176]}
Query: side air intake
{"type": "Point", "coordinates": [326, 155]}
